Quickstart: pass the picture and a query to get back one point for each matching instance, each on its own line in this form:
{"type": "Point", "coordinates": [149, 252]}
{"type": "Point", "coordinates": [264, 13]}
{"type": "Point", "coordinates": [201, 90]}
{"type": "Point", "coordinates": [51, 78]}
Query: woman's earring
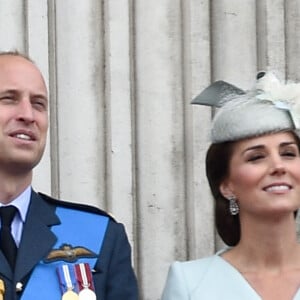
{"type": "Point", "coordinates": [233, 206]}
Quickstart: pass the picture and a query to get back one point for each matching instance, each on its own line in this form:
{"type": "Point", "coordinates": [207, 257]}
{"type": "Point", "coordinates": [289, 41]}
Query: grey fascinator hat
{"type": "Point", "coordinates": [271, 106]}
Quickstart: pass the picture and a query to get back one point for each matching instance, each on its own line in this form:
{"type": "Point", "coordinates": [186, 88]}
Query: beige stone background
{"type": "Point", "coordinates": [124, 137]}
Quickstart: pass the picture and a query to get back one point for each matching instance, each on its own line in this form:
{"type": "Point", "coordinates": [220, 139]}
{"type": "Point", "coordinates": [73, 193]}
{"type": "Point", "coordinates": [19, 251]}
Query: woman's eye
{"type": "Point", "coordinates": [255, 157]}
{"type": "Point", "coordinates": [289, 154]}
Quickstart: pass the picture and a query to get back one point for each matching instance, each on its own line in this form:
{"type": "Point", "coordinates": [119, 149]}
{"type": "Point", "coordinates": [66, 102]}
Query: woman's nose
{"type": "Point", "coordinates": [277, 165]}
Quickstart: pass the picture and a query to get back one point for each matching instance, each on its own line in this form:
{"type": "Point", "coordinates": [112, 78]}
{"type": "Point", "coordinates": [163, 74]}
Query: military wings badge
{"type": "Point", "coordinates": [68, 253]}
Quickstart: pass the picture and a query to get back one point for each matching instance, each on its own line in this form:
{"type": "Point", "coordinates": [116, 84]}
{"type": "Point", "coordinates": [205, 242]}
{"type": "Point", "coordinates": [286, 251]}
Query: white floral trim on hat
{"type": "Point", "coordinates": [283, 96]}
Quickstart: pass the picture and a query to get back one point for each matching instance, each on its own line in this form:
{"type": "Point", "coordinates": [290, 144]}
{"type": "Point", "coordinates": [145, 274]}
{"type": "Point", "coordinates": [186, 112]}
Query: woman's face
{"type": "Point", "coordinates": [264, 174]}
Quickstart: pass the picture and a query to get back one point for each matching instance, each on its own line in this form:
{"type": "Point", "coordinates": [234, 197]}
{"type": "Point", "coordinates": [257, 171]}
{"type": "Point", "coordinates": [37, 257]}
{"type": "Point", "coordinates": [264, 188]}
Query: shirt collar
{"type": "Point", "coordinates": [22, 203]}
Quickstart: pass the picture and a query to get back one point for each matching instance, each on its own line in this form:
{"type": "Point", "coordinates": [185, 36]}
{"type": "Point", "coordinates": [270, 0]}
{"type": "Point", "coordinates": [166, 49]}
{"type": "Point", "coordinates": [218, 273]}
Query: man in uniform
{"type": "Point", "coordinates": [50, 249]}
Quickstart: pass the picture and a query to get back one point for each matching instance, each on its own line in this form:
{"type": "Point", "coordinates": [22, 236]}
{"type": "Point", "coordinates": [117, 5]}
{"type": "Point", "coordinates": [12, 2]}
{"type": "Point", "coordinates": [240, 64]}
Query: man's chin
{"type": "Point", "coordinates": [19, 166]}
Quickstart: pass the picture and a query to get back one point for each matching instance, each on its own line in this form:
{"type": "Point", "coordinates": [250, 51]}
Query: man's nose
{"type": "Point", "coordinates": [25, 110]}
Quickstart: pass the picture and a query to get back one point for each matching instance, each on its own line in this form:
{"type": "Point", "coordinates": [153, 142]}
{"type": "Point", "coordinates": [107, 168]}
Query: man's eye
{"type": "Point", "coordinates": [7, 98]}
{"type": "Point", "coordinates": [40, 105]}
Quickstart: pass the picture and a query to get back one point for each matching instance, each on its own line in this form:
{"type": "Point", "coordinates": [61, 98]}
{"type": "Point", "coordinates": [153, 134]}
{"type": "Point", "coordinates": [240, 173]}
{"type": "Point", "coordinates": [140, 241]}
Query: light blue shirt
{"type": "Point", "coordinates": [21, 203]}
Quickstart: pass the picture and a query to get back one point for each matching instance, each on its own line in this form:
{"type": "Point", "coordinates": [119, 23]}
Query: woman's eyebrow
{"type": "Point", "coordinates": [287, 143]}
{"type": "Point", "coordinates": [261, 146]}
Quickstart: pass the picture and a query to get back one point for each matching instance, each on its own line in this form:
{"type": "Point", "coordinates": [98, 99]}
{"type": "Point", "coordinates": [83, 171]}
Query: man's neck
{"type": "Point", "coordinates": [12, 186]}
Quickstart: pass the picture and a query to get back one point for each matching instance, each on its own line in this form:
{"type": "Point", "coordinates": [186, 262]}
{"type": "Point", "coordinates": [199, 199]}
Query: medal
{"type": "Point", "coordinates": [87, 294]}
{"type": "Point", "coordinates": [69, 295]}
{"type": "Point", "coordinates": [2, 289]}
{"type": "Point", "coordinates": [67, 282]}
{"type": "Point", "coordinates": [85, 281]}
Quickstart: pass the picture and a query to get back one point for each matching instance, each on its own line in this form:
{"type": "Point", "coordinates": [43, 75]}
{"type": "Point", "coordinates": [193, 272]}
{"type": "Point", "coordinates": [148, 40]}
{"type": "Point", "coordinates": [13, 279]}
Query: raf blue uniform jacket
{"type": "Point", "coordinates": [113, 276]}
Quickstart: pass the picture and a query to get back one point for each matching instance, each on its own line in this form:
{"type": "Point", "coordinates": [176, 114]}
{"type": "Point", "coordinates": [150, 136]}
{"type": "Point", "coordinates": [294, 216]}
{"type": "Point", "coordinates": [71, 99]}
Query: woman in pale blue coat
{"type": "Point", "coordinates": [253, 168]}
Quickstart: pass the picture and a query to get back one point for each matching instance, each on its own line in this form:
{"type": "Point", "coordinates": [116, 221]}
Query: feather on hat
{"type": "Point", "coordinates": [270, 107]}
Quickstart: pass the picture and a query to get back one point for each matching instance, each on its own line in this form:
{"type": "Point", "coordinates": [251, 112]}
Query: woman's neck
{"type": "Point", "coordinates": [267, 245]}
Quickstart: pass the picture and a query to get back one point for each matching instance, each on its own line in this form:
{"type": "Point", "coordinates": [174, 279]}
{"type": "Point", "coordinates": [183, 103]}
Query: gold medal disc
{"type": "Point", "coordinates": [87, 294]}
{"type": "Point", "coordinates": [69, 295]}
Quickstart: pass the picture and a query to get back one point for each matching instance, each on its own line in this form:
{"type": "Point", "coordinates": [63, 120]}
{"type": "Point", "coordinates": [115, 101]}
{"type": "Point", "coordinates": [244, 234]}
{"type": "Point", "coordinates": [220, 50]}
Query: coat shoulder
{"type": "Point", "coordinates": [197, 267]}
{"type": "Point", "coordinates": [76, 206]}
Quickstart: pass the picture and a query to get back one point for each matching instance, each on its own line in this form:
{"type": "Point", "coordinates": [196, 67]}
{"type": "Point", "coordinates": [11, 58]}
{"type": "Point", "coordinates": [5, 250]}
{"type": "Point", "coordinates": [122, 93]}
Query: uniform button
{"type": "Point", "coordinates": [19, 286]}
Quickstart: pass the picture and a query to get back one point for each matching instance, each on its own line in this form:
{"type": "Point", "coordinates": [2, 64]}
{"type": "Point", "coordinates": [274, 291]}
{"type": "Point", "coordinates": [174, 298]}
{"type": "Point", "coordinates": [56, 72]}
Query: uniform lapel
{"type": "Point", "coordinates": [37, 237]}
{"type": "Point", "coordinates": [5, 269]}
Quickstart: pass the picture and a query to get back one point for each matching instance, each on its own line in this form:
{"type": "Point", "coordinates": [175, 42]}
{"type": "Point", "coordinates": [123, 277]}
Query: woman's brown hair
{"type": "Point", "coordinates": [217, 169]}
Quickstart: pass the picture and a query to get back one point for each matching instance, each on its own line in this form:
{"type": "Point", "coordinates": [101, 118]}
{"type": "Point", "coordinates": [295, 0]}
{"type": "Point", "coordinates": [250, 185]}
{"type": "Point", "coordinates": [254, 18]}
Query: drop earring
{"type": "Point", "coordinates": [233, 206]}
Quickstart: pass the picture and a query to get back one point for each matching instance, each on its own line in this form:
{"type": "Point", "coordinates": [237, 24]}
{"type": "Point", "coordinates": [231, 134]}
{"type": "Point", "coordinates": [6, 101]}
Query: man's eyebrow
{"type": "Point", "coordinates": [41, 95]}
{"type": "Point", "coordinates": [16, 91]}
{"type": "Point", "coordinates": [9, 91]}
